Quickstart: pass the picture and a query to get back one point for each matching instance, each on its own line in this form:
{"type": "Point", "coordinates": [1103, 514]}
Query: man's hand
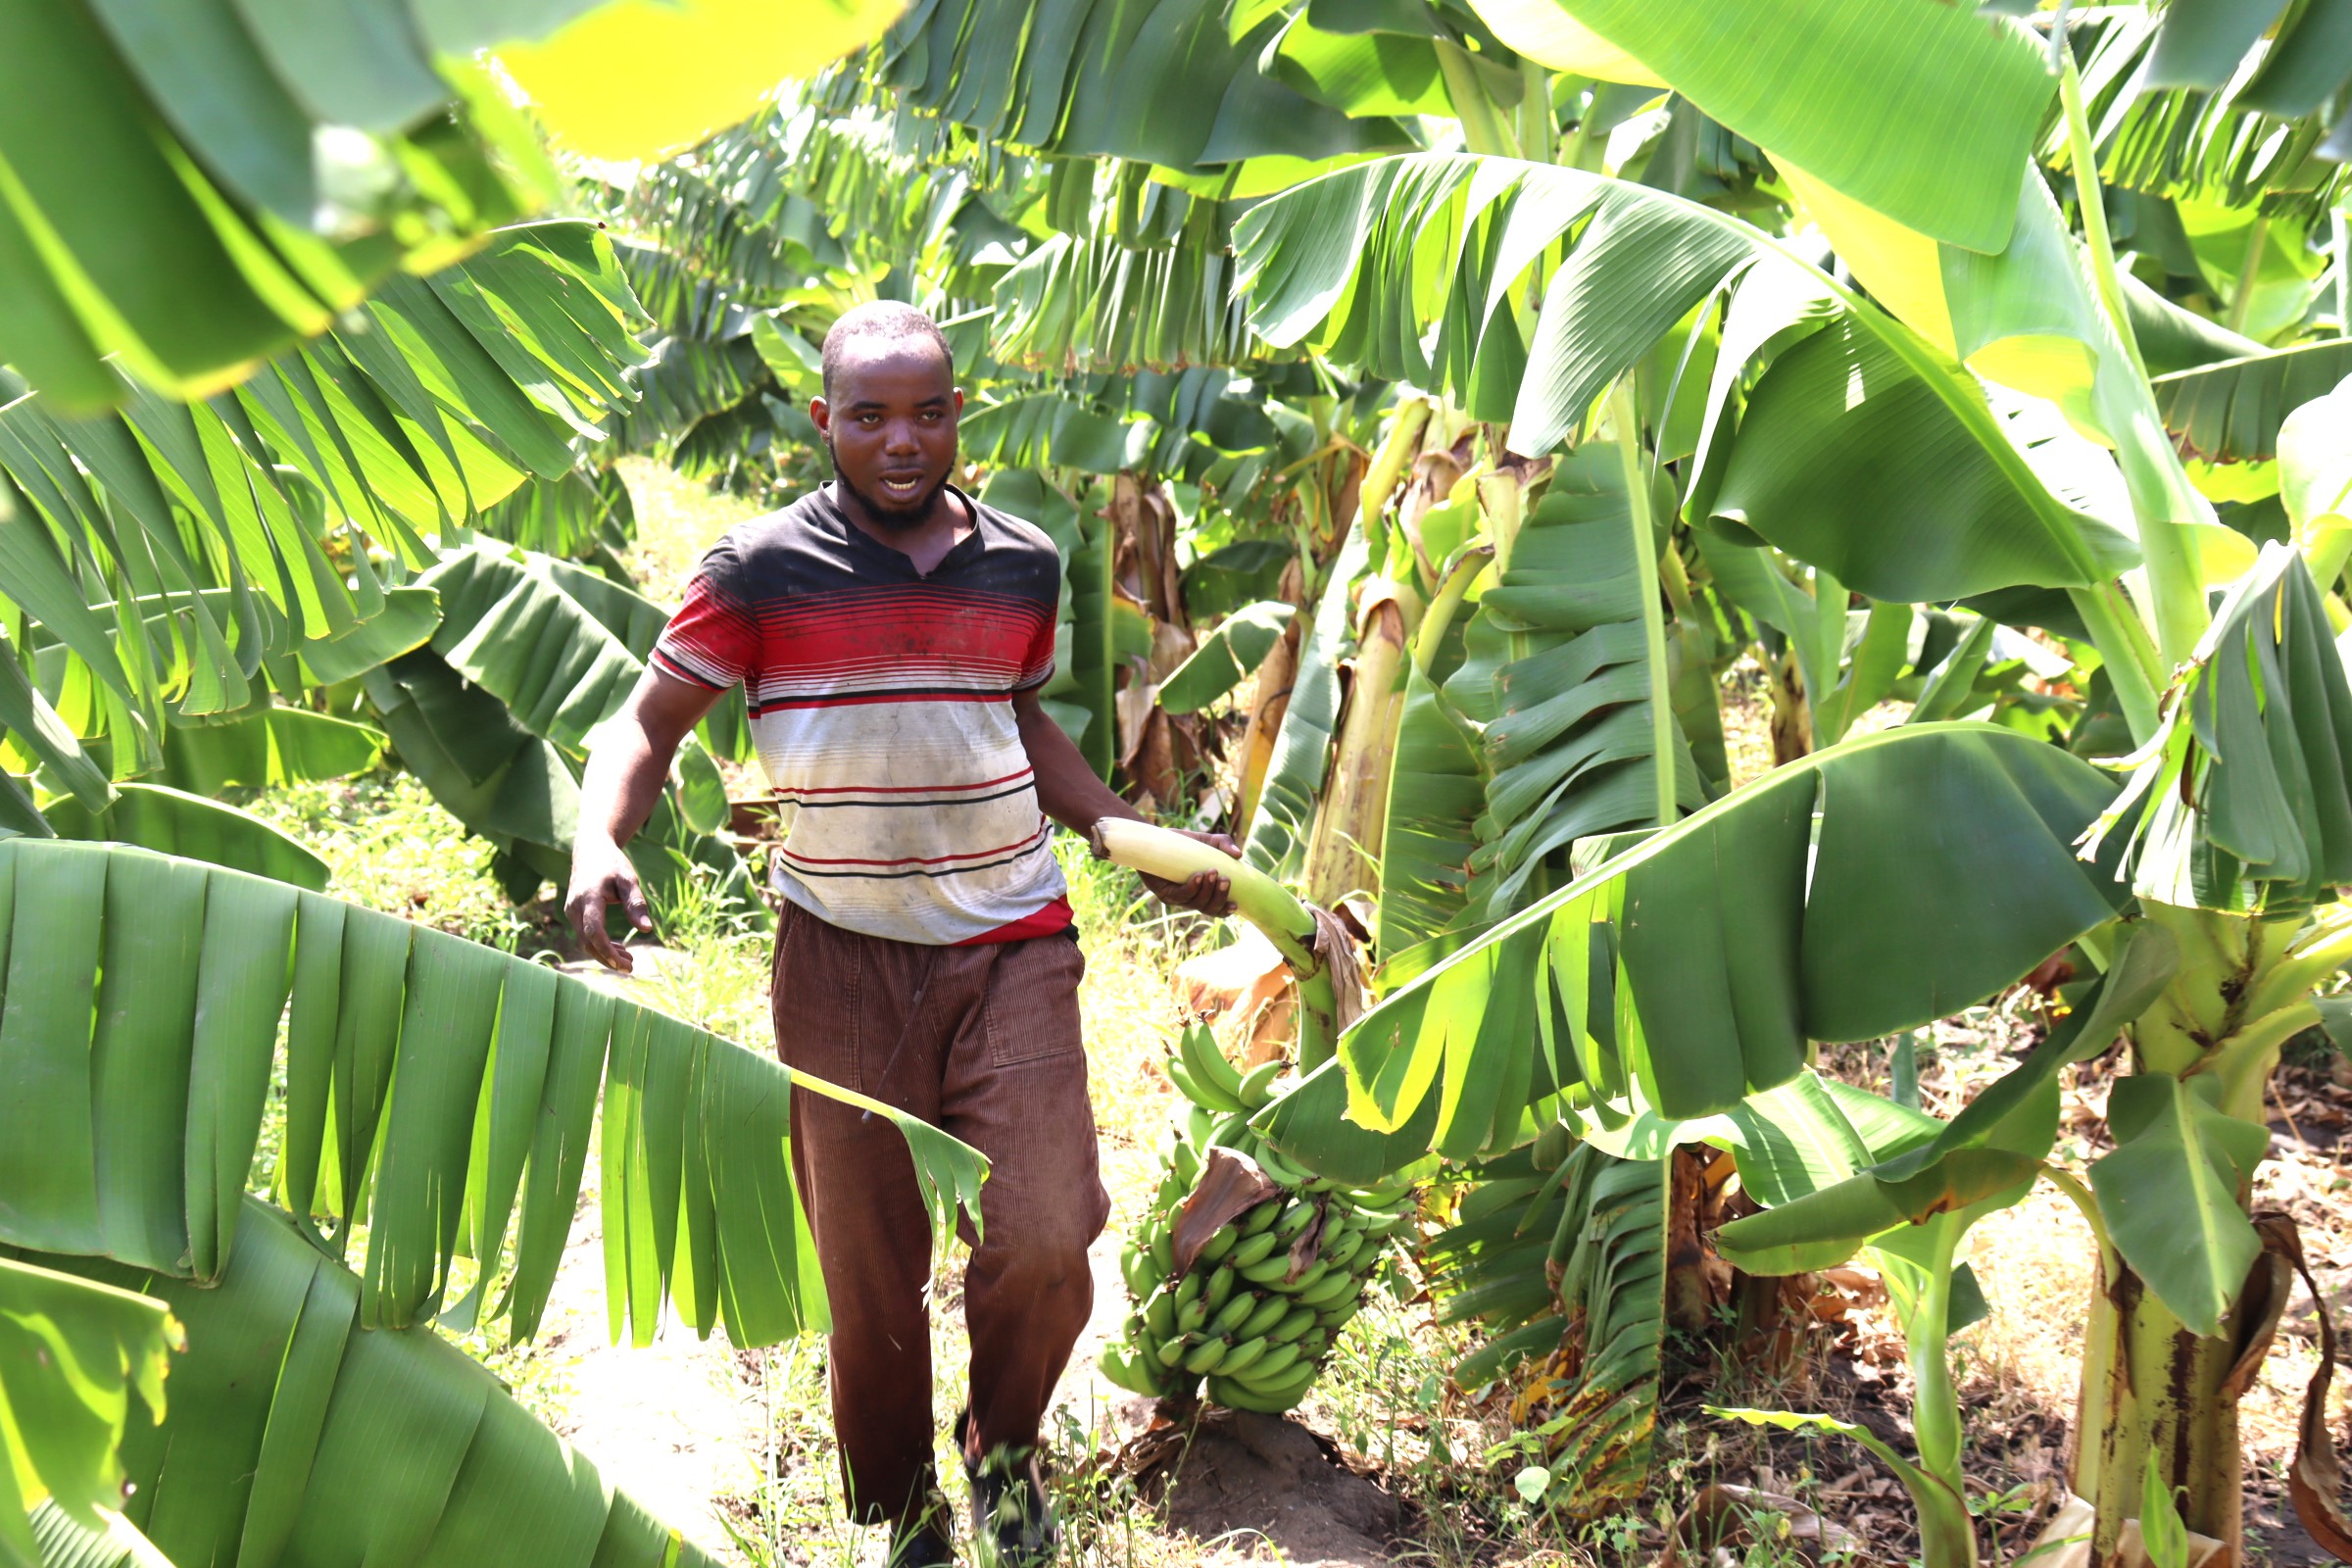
{"type": "Point", "coordinates": [1204, 893]}
{"type": "Point", "coordinates": [602, 875]}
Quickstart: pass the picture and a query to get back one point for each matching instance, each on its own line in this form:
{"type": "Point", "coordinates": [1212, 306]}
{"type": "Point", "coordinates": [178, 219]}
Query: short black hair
{"type": "Point", "coordinates": [888, 319]}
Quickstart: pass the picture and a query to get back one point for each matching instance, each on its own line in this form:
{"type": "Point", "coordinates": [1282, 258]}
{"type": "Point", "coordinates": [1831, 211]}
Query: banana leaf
{"type": "Point", "coordinates": [437, 399]}
{"type": "Point", "coordinates": [1236, 647]}
{"type": "Point", "coordinates": [1286, 802]}
{"type": "Point", "coordinates": [2248, 801]}
{"type": "Point", "coordinates": [438, 1095]}
{"type": "Point", "coordinates": [278, 746]}
{"type": "Point", "coordinates": [155, 817]}
{"type": "Point", "coordinates": [70, 1354]}
{"type": "Point", "coordinates": [1696, 968]}
{"type": "Point", "coordinates": [1556, 681]}
{"type": "Point", "coordinates": [297, 1432]}
{"type": "Point", "coordinates": [2231, 412]}
{"type": "Point", "coordinates": [1361, 264]}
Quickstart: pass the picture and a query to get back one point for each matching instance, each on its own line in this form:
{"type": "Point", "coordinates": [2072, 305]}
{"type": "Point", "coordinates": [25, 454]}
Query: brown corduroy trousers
{"type": "Point", "coordinates": [983, 1041]}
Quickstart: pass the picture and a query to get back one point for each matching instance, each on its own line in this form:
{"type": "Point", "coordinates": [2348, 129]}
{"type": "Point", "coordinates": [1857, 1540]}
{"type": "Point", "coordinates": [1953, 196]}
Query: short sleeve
{"type": "Point", "coordinates": [713, 640]}
{"type": "Point", "coordinates": [1037, 658]}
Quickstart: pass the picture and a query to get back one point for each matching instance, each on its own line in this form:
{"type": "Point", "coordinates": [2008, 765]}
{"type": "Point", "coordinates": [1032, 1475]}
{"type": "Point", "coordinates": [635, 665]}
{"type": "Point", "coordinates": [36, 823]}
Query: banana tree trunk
{"type": "Point", "coordinates": [2156, 1391]}
{"type": "Point", "coordinates": [1273, 700]}
{"type": "Point", "coordinates": [1342, 856]}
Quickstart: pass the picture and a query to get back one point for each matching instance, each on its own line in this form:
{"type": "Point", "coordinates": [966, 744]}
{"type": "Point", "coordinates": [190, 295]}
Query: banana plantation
{"type": "Point", "coordinates": [1687, 544]}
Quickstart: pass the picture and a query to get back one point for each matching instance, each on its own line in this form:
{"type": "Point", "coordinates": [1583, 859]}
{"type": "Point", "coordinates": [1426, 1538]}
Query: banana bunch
{"type": "Point", "coordinates": [1259, 1307]}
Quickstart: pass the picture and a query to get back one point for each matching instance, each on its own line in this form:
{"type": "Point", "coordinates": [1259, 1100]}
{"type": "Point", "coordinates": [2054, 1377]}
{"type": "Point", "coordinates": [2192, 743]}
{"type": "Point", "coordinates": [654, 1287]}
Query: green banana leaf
{"type": "Point", "coordinates": [1437, 791]}
{"type": "Point", "coordinates": [1556, 681]}
{"type": "Point", "coordinates": [498, 732]}
{"type": "Point", "coordinates": [2248, 805]}
{"type": "Point", "coordinates": [1360, 262]}
{"type": "Point", "coordinates": [298, 1432]}
{"type": "Point", "coordinates": [171, 821]}
{"type": "Point", "coordinates": [112, 1542]}
{"type": "Point", "coordinates": [1095, 303]}
{"type": "Point", "coordinates": [1613, 1290]}
{"type": "Point", "coordinates": [70, 1354]}
{"type": "Point", "coordinates": [1237, 646]}
{"type": "Point", "coordinates": [438, 1095]}
{"type": "Point", "coordinates": [2169, 1190]}
{"type": "Point", "coordinates": [2231, 412]}
{"type": "Point", "coordinates": [1696, 968]}
{"type": "Point", "coordinates": [436, 399]}
{"type": "Point", "coordinates": [277, 745]}
{"type": "Point", "coordinates": [1159, 84]}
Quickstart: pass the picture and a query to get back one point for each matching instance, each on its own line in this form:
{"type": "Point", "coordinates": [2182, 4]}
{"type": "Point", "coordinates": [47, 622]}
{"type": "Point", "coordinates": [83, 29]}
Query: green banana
{"type": "Point", "coordinates": [1187, 1290]}
{"type": "Point", "coordinates": [1128, 1371]}
{"type": "Point", "coordinates": [1296, 1218]}
{"type": "Point", "coordinates": [1214, 1076]}
{"type": "Point", "coordinates": [1280, 1167]}
{"type": "Point", "coordinates": [1233, 1315]}
{"type": "Point", "coordinates": [1134, 1267]}
{"type": "Point", "coordinates": [1270, 1311]}
{"type": "Point", "coordinates": [1159, 1315]}
{"type": "Point", "coordinates": [1236, 1395]}
{"type": "Point", "coordinates": [1198, 1124]}
{"type": "Point", "coordinates": [1206, 1356]}
{"type": "Point", "coordinates": [1171, 1350]}
{"type": "Point", "coordinates": [1268, 1270]}
{"type": "Point", "coordinates": [1306, 1281]}
{"type": "Point", "coordinates": [1261, 1217]}
{"type": "Point", "coordinates": [1186, 1084]}
{"type": "Point", "coordinates": [1258, 1084]}
{"type": "Point", "coordinates": [1256, 1248]}
{"type": "Point", "coordinates": [1164, 1252]}
{"type": "Point", "coordinates": [1245, 1354]}
{"type": "Point", "coordinates": [1286, 1388]}
{"type": "Point", "coordinates": [1325, 1290]}
{"type": "Point", "coordinates": [1187, 1162]}
{"type": "Point", "coordinates": [1295, 1324]}
{"type": "Point", "coordinates": [1190, 1316]}
{"type": "Point", "coordinates": [1311, 1345]}
{"type": "Point", "coordinates": [1233, 1131]}
{"type": "Point", "coordinates": [1219, 1289]}
{"type": "Point", "coordinates": [1340, 1253]}
{"type": "Point", "coordinates": [1276, 1359]}
{"type": "Point", "coordinates": [1216, 1246]}
{"type": "Point", "coordinates": [1332, 1319]}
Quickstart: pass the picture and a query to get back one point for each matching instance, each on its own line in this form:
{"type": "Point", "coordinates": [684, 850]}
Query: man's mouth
{"type": "Point", "coordinates": [901, 487]}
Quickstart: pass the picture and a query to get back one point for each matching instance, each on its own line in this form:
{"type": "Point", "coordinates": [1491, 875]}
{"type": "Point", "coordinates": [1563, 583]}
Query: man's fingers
{"type": "Point", "coordinates": [632, 899]}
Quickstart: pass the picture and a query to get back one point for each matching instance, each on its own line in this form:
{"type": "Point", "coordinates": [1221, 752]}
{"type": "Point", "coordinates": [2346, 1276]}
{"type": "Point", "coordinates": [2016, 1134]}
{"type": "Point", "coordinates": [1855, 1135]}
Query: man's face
{"type": "Point", "coordinates": [891, 427]}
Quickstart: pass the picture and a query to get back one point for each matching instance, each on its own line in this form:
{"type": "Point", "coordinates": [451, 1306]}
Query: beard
{"type": "Point", "coordinates": [897, 516]}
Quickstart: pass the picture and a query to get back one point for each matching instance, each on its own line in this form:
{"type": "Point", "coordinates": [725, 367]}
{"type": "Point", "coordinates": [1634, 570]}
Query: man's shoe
{"type": "Point", "coordinates": [926, 1545]}
{"type": "Point", "coordinates": [1010, 1505]}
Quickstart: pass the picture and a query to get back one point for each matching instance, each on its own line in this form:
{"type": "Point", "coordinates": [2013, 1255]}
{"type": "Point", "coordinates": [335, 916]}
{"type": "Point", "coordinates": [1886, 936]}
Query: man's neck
{"type": "Point", "coordinates": [948, 520]}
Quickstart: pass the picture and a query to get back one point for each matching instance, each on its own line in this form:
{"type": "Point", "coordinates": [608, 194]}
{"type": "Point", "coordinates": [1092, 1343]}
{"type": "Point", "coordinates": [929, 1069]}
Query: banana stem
{"type": "Point", "coordinates": [1264, 901]}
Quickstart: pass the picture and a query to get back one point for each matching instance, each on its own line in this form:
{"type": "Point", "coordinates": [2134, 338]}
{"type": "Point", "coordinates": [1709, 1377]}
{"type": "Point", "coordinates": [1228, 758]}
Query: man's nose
{"type": "Point", "coordinates": [898, 435]}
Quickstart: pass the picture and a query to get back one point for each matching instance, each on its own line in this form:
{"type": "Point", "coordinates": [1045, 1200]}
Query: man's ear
{"type": "Point", "coordinates": [958, 400]}
{"type": "Point", "coordinates": [820, 412]}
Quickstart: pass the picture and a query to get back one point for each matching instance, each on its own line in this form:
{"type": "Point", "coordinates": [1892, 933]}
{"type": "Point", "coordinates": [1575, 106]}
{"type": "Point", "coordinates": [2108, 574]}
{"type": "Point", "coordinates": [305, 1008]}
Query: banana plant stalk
{"type": "Point", "coordinates": [1343, 853]}
{"type": "Point", "coordinates": [1257, 897]}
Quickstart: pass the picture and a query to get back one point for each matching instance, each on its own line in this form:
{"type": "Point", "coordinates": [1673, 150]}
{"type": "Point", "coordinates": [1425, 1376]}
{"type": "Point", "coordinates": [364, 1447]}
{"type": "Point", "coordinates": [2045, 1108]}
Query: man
{"type": "Point", "coordinates": [891, 635]}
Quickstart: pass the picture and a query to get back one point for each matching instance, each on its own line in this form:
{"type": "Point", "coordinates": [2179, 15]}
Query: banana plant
{"type": "Point", "coordinates": [439, 1100]}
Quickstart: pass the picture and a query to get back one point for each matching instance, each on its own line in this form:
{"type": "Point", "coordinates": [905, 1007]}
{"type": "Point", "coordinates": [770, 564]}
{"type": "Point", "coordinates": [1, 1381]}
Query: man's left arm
{"type": "Point", "coordinates": [1069, 793]}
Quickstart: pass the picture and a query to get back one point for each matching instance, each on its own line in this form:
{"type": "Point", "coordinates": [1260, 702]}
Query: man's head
{"type": "Point", "coordinates": [889, 411]}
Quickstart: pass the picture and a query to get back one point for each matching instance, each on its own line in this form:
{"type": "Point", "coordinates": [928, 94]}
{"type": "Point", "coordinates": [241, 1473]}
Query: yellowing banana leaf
{"type": "Point", "coordinates": [2315, 466]}
{"type": "Point", "coordinates": [297, 1432]}
{"type": "Point", "coordinates": [1695, 969]}
{"type": "Point", "coordinates": [70, 1354]}
{"type": "Point", "coordinates": [1924, 114]}
{"type": "Point", "coordinates": [156, 817]}
{"type": "Point", "coordinates": [437, 1095]}
{"type": "Point", "coordinates": [634, 78]}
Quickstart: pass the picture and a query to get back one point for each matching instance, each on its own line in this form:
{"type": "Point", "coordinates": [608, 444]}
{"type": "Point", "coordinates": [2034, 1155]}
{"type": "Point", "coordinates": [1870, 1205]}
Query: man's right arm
{"type": "Point", "coordinates": [624, 776]}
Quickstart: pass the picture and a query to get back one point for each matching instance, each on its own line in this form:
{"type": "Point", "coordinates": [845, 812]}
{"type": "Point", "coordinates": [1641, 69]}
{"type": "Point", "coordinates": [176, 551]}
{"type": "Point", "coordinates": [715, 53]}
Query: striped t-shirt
{"type": "Point", "coordinates": [881, 702]}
